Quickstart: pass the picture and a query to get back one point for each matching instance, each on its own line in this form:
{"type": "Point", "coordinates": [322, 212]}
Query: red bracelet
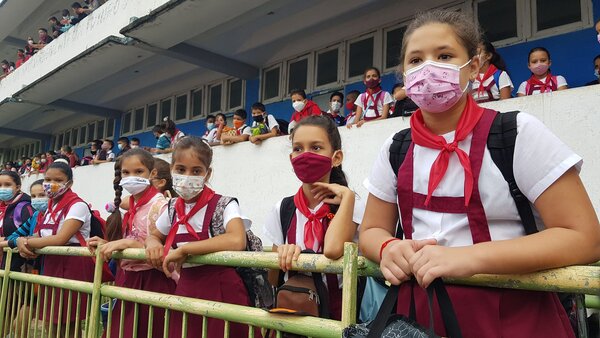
{"type": "Point", "coordinates": [386, 244]}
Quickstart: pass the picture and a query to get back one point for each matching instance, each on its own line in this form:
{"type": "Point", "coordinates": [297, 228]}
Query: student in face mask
{"type": "Point", "coordinates": [210, 125]}
{"type": "Point", "coordinates": [39, 203]}
{"type": "Point", "coordinates": [189, 227]}
{"type": "Point", "coordinates": [325, 212]}
{"type": "Point", "coordinates": [596, 72]}
{"type": "Point", "coordinates": [303, 108]}
{"type": "Point", "coordinates": [457, 213]}
{"type": "Point", "coordinates": [133, 173]}
{"type": "Point", "coordinates": [15, 209]}
{"type": "Point", "coordinates": [123, 145]}
{"type": "Point", "coordinates": [264, 126]}
{"type": "Point", "coordinates": [336, 108]}
{"type": "Point", "coordinates": [240, 132]}
{"type": "Point", "coordinates": [66, 222]}
{"type": "Point", "coordinates": [541, 80]}
{"type": "Point", "coordinates": [374, 103]}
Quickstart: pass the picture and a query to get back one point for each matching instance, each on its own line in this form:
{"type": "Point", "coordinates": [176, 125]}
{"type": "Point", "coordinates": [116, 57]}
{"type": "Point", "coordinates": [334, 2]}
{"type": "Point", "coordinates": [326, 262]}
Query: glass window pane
{"type": "Point", "coordinates": [91, 132]}
{"type": "Point", "coordinates": [82, 135]}
{"type": "Point", "coordinates": [165, 109]}
{"type": "Point", "coordinates": [138, 123]}
{"type": "Point", "coordinates": [67, 139]}
{"type": "Point", "coordinates": [59, 143]}
{"type": "Point", "coordinates": [181, 108]}
{"type": "Point", "coordinates": [498, 19]}
{"type": "Point", "coordinates": [126, 126]}
{"type": "Point", "coordinates": [327, 67]}
{"type": "Point", "coordinates": [152, 113]}
{"type": "Point", "coordinates": [197, 103]}
{"type": "Point", "coordinates": [215, 99]}
{"type": "Point", "coordinates": [110, 128]}
{"type": "Point", "coordinates": [100, 129]}
{"type": "Point", "coordinates": [393, 45]}
{"type": "Point", "coordinates": [554, 13]}
{"type": "Point", "coordinates": [360, 57]}
{"type": "Point", "coordinates": [271, 84]}
{"type": "Point", "coordinates": [235, 93]}
{"type": "Point", "coordinates": [297, 74]}
{"type": "Point", "coordinates": [75, 137]}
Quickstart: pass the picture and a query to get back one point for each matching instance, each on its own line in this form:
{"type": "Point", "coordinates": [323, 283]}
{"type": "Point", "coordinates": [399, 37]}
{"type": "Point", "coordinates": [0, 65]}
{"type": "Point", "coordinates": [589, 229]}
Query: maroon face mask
{"type": "Point", "coordinates": [310, 167]}
{"type": "Point", "coordinates": [372, 83]}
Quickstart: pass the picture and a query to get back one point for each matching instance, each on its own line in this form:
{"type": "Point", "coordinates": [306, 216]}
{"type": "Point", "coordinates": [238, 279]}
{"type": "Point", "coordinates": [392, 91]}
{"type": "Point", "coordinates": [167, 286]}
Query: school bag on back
{"type": "Point", "coordinates": [501, 145]}
{"type": "Point", "coordinates": [283, 125]}
{"type": "Point", "coordinates": [256, 281]}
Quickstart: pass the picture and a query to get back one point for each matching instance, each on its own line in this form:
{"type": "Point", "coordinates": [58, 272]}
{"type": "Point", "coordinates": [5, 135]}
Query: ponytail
{"type": "Point", "coordinates": [337, 176]}
{"type": "Point", "coordinates": [114, 222]}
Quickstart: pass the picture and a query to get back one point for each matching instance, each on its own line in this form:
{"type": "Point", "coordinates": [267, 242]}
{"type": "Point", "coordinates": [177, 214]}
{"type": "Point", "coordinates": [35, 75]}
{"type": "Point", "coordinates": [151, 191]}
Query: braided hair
{"type": "Point", "coordinates": [114, 222]}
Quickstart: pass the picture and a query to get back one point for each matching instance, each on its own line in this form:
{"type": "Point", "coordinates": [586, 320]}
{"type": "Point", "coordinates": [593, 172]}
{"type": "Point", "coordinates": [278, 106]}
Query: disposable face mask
{"type": "Point", "coordinates": [335, 106]}
{"type": "Point", "coordinates": [134, 184]}
{"type": "Point", "coordinates": [539, 69]}
{"type": "Point", "coordinates": [298, 105]}
{"type": "Point", "coordinates": [187, 187]}
{"type": "Point", "coordinates": [598, 38]}
{"type": "Point", "coordinates": [6, 194]}
{"type": "Point", "coordinates": [210, 126]}
{"type": "Point", "coordinates": [597, 73]}
{"type": "Point", "coordinates": [120, 146]}
{"type": "Point", "coordinates": [40, 203]}
{"type": "Point", "coordinates": [134, 146]}
{"type": "Point", "coordinates": [434, 86]}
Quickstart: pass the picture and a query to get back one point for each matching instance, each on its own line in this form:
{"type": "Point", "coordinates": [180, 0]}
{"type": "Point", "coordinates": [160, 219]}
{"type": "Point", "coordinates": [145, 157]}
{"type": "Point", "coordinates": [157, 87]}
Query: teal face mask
{"type": "Point", "coordinates": [40, 203]}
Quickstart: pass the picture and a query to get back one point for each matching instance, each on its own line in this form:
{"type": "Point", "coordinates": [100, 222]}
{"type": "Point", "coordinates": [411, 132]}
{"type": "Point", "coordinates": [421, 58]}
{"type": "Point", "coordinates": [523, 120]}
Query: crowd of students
{"type": "Point", "coordinates": [57, 27]}
{"type": "Point", "coordinates": [416, 223]}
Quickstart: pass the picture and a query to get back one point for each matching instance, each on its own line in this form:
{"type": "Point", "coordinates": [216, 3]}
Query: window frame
{"type": "Point", "coordinates": [187, 107]}
{"type": "Point", "coordinates": [242, 98]}
{"type": "Point", "coordinates": [133, 117]}
{"type": "Point", "coordinates": [279, 95]}
{"type": "Point", "coordinates": [522, 30]}
{"type": "Point", "coordinates": [310, 71]}
{"type": "Point", "coordinates": [341, 67]}
{"type": "Point", "coordinates": [223, 104]}
{"type": "Point", "coordinates": [123, 133]}
{"type": "Point", "coordinates": [585, 22]}
{"type": "Point", "coordinates": [384, 38]}
{"type": "Point", "coordinates": [377, 53]}
{"type": "Point", "coordinates": [160, 116]}
{"type": "Point", "coordinates": [203, 108]}
{"type": "Point", "coordinates": [157, 103]}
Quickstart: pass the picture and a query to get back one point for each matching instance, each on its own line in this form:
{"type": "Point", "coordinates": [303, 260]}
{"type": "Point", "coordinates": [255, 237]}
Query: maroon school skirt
{"type": "Point", "coordinates": [494, 312]}
{"type": "Point", "coordinates": [215, 283]}
{"type": "Point", "coordinates": [147, 280]}
{"type": "Point", "coordinates": [69, 267]}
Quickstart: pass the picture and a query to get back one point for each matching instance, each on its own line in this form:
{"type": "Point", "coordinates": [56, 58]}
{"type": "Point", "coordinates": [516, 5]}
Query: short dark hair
{"type": "Point", "coordinates": [43, 29]}
{"type": "Point", "coordinates": [397, 85]}
{"type": "Point", "coordinates": [65, 168]}
{"type": "Point", "coordinates": [223, 116]}
{"type": "Point", "coordinates": [259, 106]}
{"type": "Point", "coordinates": [354, 92]}
{"type": "Point", "coordinates": [300, 92]}
{"type": "Point", "coordinates": [53, 18]}
{"type": "Point", "coordinates": [210, 116]}
{"type": "Point", "coordinates": [158, 129]}
{"type": "Point", "coordinates": [67, 148]}
{"type": "Point", "coordinates": [38, 182]}
{"type": "Point", "coordinates": [123, 139]}
{"type": "Point", "coordinates": [135, 139]}
{"type": "Point", "coordinates": [65, 12]}
{"type": "Point", "coordinates": [334, 94]}
{"type": "Point", "coordinates": [20, 50]}
{"type": "Point", "coordinates": [112, 144]}
{"type": "Point", "coordinates": [76, 5]}
{"type": "Point", "coordinates": [13, 175]}
{"type": "Point", "coordinates": [241, 113]}
{"type": "Point", "coordinates": [596, 58]}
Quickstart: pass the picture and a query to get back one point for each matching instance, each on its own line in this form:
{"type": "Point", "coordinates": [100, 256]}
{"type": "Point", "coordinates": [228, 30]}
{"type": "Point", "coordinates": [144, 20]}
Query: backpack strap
{"type": "Point", "coordinates": [501, 144]}
{"type": "Point", "coordinates": [217, 206]}
{"type": "Point", "coordinates": [286, 213]}
{"type": "Point", "coordinates": [497, 78]}
{"type": "Point", "coordinates": [398, 149]}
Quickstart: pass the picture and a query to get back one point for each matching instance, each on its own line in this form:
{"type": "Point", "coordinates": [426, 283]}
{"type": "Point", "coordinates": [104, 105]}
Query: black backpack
{"type": "Point", "coordinates": [283, 125]}
{"type": "Point", "coordinates": [501, 144]}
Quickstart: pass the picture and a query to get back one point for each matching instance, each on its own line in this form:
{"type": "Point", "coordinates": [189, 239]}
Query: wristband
{"type": "Point", "coordinates": [386, 244]}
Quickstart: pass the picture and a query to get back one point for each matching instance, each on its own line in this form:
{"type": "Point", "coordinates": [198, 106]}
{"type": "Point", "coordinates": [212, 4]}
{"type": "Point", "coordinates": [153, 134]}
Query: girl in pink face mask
{"type": "Point", "coordinates": [453, 204]}
{"type": "Point", "coordinates": [323, 214]}
{"type": "Point", "coordinates": [541, 80]}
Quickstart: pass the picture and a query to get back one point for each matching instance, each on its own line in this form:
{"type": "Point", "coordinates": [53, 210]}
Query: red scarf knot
{"type": "Point", "coordinates": [134, 207]}
{"type": "Point", "coordinates": [423, 137]}
{"type": "Point", "coordinates": [489, 73]}
{"type": "Point", "coordinates": [314, 228]}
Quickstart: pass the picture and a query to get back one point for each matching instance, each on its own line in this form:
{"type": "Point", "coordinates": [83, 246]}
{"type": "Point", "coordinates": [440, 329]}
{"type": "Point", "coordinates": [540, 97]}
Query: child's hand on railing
{"type": "Point", "coordinates": [173, 262]}
{"type": "Point", "coordinates": [24, 249]}
{"type": "Point", "coordinates": [108, 248]}
{"type": "Point", "coordinates": [287, 253]}
{"type": "Point", "coordinates": [395, 258]}
{"type": "Point", "coordinates": [154, 253]}
{"type": "Point", "coordinates": [94, 242]}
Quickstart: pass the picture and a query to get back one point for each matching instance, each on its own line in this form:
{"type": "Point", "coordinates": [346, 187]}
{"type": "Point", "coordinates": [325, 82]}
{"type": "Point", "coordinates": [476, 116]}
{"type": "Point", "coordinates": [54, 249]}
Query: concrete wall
{"type": "Point", "coordinates": [261, 175]}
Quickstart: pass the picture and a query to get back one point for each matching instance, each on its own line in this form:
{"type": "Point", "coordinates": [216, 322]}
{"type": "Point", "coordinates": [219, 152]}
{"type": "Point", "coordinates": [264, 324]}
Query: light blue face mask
{"type": "Point", "coordinates": [6, 194]}
{"type": "Point", "coordinates": [40, 203]}
{"type": "Point", "coordinates": [597, 73]}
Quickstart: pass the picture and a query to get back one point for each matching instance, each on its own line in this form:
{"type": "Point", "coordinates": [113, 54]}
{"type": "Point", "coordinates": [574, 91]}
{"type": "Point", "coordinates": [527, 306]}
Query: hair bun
{"type": "Point", "coordinates": [166, 119]}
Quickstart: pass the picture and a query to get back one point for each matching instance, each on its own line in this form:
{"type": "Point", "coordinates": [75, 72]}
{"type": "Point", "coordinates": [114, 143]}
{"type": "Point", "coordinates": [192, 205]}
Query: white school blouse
{"type": "Point", "coordinates": [504, 81]}
{"type": "Point", "coordinates": [386, 100]}
{"type": "Point", "coordinates": [560, 82]}
{"type": "Point", "coordinates": [78, 211]}
{"type": "Point", "coordinates": [540, 158]}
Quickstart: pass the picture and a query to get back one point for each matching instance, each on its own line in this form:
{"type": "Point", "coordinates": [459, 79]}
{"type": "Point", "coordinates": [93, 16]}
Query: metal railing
{"type": "Point", "coordinates": [22, 314]}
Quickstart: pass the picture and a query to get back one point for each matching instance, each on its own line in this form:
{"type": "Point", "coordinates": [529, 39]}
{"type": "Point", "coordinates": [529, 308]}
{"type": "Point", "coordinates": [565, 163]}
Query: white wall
{"type": "Point", "coordinates": [261, 175]}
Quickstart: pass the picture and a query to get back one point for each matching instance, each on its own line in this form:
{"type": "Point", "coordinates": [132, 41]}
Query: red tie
{"type": "Point", "coordinates": [133, 208]}
{"type": "Point", "coordinates": [314, 231]}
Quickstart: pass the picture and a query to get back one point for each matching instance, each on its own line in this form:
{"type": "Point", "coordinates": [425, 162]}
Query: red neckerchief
{"type": "Point", "coordinates": [422, 136]}
{"type": "Point", "coordinates": [175, 134]}
{"type": "Point", "coordinates": [373, 94]}
{"type": "Point", "coordinates": [182, 218]}
{"type": "Point", "coordinates": [314, 231]}
{"type": "Point", "coordinates": [534, 82]}
{"type": "Point", "coordinates": [4, 205]}
{"type": "Point", "coordinates": [65, 200]}
{"type": "Point", "coordinates": [489, 73]}
{"type": "Point", "coordinates": [133, 208]}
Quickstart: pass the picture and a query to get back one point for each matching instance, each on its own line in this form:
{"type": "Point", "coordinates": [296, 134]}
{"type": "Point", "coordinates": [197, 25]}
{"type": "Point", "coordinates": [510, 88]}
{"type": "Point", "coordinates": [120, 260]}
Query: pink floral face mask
{"type": "Point", "coordinates": [434, 86]}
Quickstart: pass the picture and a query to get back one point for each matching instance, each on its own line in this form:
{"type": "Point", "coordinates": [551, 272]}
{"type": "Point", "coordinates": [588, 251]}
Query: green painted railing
{"type": "Point", "coordinates": [22, 315]}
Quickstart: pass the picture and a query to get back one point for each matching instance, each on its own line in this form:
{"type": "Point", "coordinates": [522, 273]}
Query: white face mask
{"type": "Point", "coordinates": [298, 105]}
{"type": "Point", "coordinates": [134, 184]}
{"type": "Point", "coordinates": [335, 106]}
{"type": "Point", "coordinates": [597, 73]}
{"type": "Point", "coordinates": [188, 187]}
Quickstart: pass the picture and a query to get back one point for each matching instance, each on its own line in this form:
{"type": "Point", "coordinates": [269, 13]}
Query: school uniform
{"type": "Point", "coordinates": [540, 159]}
{"type": "Point", "coordinates": [175, 138]}
{"type": "Point", "coordinates": [338, 118]}
{"type": "Point", "coordinates": [211, 136]}
{"type": "Point", "coordinates": [372, 104]}
{"type": "Point", "coordinates": [163, 142]}
{"type": "Point", "coordinates": [68, 206]}
{"type": "Point", "coordinates": [264, 127]}
{"type": "Point", "coordinates": [486, 87]}
{"type": "Point", "coordinates": [534, 86]}
{"type": "Point", "coordinates": [12, 215]}
{"type": "Point", "coordinates": [295, 235]}
{"type": "Point", "coordinates": [207, 282]}
{"type": "Point", "coordinates": [139, 275]}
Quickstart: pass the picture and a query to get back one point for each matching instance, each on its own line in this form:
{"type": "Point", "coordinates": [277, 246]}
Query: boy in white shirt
{"type": "Point", "coordinates": [240, 132]}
